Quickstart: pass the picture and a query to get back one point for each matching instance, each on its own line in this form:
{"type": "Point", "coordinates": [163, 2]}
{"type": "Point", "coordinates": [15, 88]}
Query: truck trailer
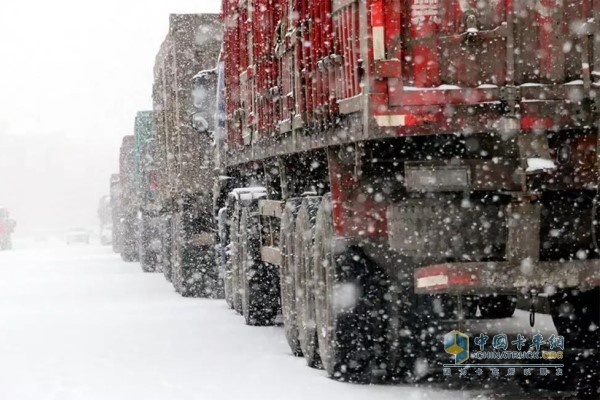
{"type": "Point", "coordinates": [185, 180]}
{"type": "Point", "coordinates": [394, 168]}
{"type": "Point", "coordinates": [146, 159]}
{"type": "Point", "coordinates": [127, 223]}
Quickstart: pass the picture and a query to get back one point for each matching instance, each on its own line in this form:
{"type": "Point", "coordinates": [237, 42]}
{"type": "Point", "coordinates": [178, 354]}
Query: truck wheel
{"type": "Point", "coordinates": [304, 283]}
{"type": "Point", "coordinates": [165, 263]}
{"type": "Point", "coordinates": [165, 248]}
{"type": "Point", "coordinates": [148, 264]}
{"type": "Point", "coordinates": [229, 254]}
{"type": "Point", "coordinates": [183, 261]}
{"type": "Point", "coordinates": [176, 275]}
{"type": "Point", "coordinates": [576, 315]}
{"type": "Point", "coordinates": [129, 243]}
{"type": "Point", "coordinates": [495, 307]}
{"type": "Point", "coordinates": [194, 276]}
{"type": "Point", "coordinates": [258, 279]}
{"type": "Point", "coordinates": [176, 241]}
{"type": "Point", "coordinates": [129, 251]}
{"type": "Point", "coordinates": [349, 301]}
{"type": "Point", "coordinates": [287, 285]}
{"type": "Point", "coordinates": [128, 254]}
{"type": "Point", "coordinates": [236, 260]}
{"type": "Point", "coordinates": [227, 278]}
{"type": "Point", "coordinates": [147, 256]}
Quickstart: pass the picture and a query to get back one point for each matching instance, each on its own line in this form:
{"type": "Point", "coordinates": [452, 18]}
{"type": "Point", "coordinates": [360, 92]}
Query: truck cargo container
{"type": "Point", "coordinates": [421, 162]}
{"type": "Point", "coordinates": [127, 224]}
{"type": "Point", "coordinates": [192, 44]}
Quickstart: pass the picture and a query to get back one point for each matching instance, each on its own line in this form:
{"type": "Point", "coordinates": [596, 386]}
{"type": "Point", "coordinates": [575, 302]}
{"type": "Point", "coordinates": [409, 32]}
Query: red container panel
{"type": "Point", "coordinates": [290, 60]}
{"type": "Point", "coordinates": [231, 58]}
{"type": "Point", "coordinates": [347, 46]}
{"type": "Point", "coordinates": [456, 42]}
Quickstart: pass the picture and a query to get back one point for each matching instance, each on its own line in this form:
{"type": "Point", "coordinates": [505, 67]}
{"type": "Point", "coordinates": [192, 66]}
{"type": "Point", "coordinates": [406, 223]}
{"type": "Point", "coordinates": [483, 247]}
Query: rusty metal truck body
{"type": "Point", "coordinates": [400, 167]}
{"type": "Point", "coordinates": [185, 180]}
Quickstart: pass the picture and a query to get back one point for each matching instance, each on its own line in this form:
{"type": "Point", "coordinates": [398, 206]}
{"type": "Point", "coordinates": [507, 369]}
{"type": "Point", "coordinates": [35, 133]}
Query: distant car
{"type": "Point", "coordinates": [78, 235]}
{"type": "Point", "coordinates": [106, 235]}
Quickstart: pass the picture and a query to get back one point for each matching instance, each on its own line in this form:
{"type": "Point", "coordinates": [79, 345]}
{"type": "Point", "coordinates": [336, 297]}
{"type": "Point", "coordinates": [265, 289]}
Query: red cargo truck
{"type": "Point", "coordinates": [421, 162]}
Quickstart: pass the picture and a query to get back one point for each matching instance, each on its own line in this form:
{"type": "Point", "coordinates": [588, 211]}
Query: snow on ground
{"type": "Point", "coordinates": [77, 323]}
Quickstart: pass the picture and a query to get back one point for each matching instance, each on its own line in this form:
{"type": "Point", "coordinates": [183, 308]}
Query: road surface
{"type": "Point", "coordinates": [78, 323]}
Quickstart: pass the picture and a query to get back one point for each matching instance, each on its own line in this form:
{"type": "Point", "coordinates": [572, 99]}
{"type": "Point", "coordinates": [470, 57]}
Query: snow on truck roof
{"type": "Point", "coordinates": [248, 193]}
{"type": "Point", "coordinates": [200, 74]}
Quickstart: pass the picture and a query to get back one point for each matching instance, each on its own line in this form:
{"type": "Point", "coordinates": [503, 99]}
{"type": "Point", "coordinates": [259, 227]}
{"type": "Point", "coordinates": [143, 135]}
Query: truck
{"type": "Point", "coordinates": [105, 219]}
{"type": "Point", "coordinates": [185, 179]}
{"type": "Point", "coordinates": [115, 196]}
{"type": "Point", "coordinates": [127, 211]}
{"type": "Point", "coordinates": [146, 200]}
{"type": "Point", "coordinates": [393, 169]}
{"type": "Point", "coordinates": [7, 227]}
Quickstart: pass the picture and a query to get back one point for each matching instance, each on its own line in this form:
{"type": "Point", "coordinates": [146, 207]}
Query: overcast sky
{"type": "Point", "coordinates": [72, 75]}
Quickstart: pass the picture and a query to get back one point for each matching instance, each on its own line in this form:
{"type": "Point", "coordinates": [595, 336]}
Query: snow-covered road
{"type": "Point", "coordinates": [77, 323]}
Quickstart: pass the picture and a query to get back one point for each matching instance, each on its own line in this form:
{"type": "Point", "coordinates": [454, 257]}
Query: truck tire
{"type": "Point", "coordinates": [350, 295]}
{"type": "Point", "coordinates": [576, 315]}
{"type": "Point", "coordinates": [287, 279]}
{"type": "Point", "coordinates": [304, 282]}
{"type": "Point", "coordinates": [129, 243]}
{"type": "Point", "coordinates": [148, 263]}
{"type": "Point", "coordinates": [236, 259]}
{"type": "Point", "coordinates": [129, 254]}
{"type": "Point", "coordinates": [175, 253]}
{"type": "Point", "coordinates": [165, 249]}
{"type": "Point", "coordinates": [194, 277]}
{"type": "Point", "coordinates": [258, 280]}
{"type": "Point", "coordinates": [496, 307]}
{"type": "Point", "coordinates": [148, 255]}
{"type": "Point", "coordinates": [227, 276]}
{"type": "Point", "coordinates": [228, 260]}
{"type": "Point", "coordinates": [193, 273]}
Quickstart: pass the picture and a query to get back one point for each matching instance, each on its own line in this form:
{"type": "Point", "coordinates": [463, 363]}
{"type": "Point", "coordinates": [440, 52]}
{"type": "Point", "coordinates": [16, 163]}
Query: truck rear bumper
{"type": "Point", "coordinates": [503, 277]}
